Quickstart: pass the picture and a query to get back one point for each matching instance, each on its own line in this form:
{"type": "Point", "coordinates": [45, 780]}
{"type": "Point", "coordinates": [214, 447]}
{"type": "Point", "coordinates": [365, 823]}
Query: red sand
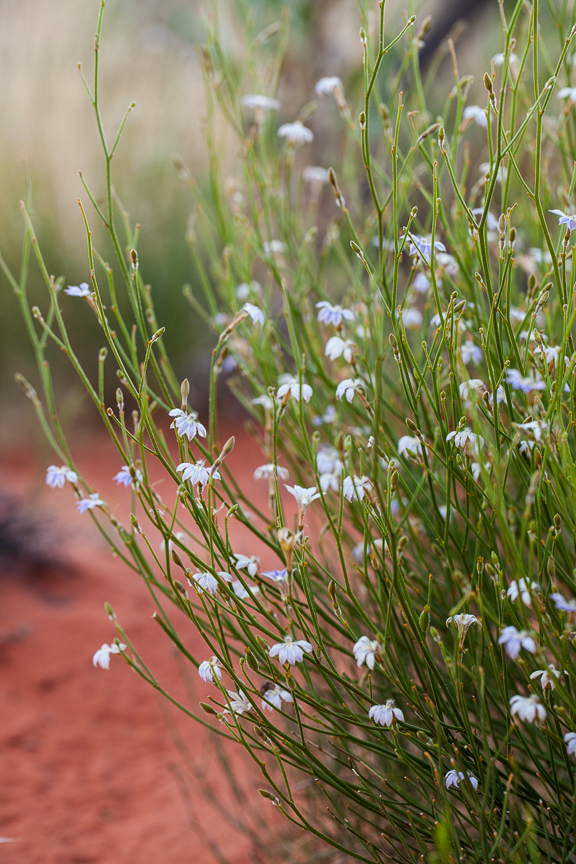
{"type": "Point", "coordinates": [86, 752]}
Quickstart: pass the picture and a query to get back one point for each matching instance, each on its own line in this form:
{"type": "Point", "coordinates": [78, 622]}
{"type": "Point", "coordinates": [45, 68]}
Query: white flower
{"type": "Point", "coordinates": [411, 317]}
{"type": "Point", "coordinates": [330, 314]}
{"type": "Point", "coordinates": [296, 133]}
{"type": "Point", "coordinates": [56, 477]}
{"type": "Point", "coordinates": [265, 401]}
{"type": "Point", "coordinates": [255, 313]}
{"type": "Point", "coordinates": [292, 386]}
{"type": "Point", "coordinates": [179, 536]}
{"type": "Point", "coordinates": [82, 290]}
{"type": "Point", "coordinates": [550, 676]}
{"type": "Point", "coordinates": [515, 639]}
{"type": "Point", "coordinates": [470, 387]}
{"type": "Point", "coordinates": [274, 247]}
{"type": "Point", "coordinates": [463, 622]}
{"type": "Point", "coordinates": [563, 605]}
{"type": "Point", "coordinates": [326, 86]}
{"type": "Point", "coordinates": [535, 428]}
{"type": "Point", "coordinates": [124, 478]}
{"type": "Point", "coordinates": [526, 385]}
{"type": "Point", "coordinates": [244, 290]}
{"type": "Point", "coordinates": [491, 221]}
{"type": "Point", "coordinates": [241, 592]}
{"type": "Point", "coordinates": [327, 461]}
{"type": "Point", "coordinates": [356, 487]}
{"type": "Point", "coordinates": [242, 562]}
{"type": "Point", "coordinates": [304, 497]}
{"type": "Point", "coordinates": [566, 93]}
{"type": "Point", "coordinates": [329, 416]}
{"type": "Point", "coordinates": [252, 100]}
{"type": "Point", "coordinates": [279, 576]}
{"type": "Point", "coordinates": [315, 174]}
{"type": "Point", "coordinates": [265, 472]}
{"type": "Point", "coordinates": [386, 714]}
{"type": "Point", "coordinates": [365, 651]}
{"type": "Point", "coordinates": [239, 702]}
{"type": "Point", "coordinates": [421, 282]}
{"type": "Point", "coordinates": [337, 347]}
{"type": "Point", "coordinates": [89, 503]}
{"type": "Point", "coordinates": [476, 113]}
{"type": "Point", "coordinates": [291, 650]}
{"type": "Point", "coordinates": [568, 219]}
{"type": "Point", "coordinates": [466, 439]}
{"type": "Point", "coordinates": [274, 696]}
{"type": "Point", "coordinates": [423, 247]}
{"type": "Point", "coordinates": [210, 668]}
{"type": "Point", "coordinates": [549, 352]}
{"type": "Point", "coordinates": [453, 778]}
{"type": "Point", "coordinates": [207, 582]}
{"type": "Point", "coordinates": [471, 353]}
{"type": "Point", "coordinates": [330, 481]}
{"type": "Point", "coordinates": [527, 708]}
{"type": "Point", "coordinates": [186, 424]}
{"type": "Point", "coordinates": [570, 739]}
{"type": "Point", "coordinates": [521, 589]}
{"type": "Point", "coordinates": [348, 388]}
{"type": "Point", "coordinates": [502, 174]}
{"type": "Point", "coordinates": [498, 59]}
{"type": "Point", "coordinates": [102, 657]}
{"type": "Point", "coordinates": [195, 472]}
{"type": "Point", "coordinates": [406, 443]}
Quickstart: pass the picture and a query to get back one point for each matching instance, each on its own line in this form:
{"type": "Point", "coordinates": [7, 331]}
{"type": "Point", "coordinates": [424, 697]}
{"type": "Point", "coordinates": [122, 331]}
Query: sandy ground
{"type": "Point", "coordinates": [89, 763]}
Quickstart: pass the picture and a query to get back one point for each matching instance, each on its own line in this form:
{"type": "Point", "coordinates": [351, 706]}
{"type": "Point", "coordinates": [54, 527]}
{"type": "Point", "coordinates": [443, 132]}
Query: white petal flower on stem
{"type": "Point", "coordinates": [242, 562]}
{"type": "Point", "coordinates": [291, 385]}
{"type": "Point", "coordinates": [265, 401]}
{"type": "Point", "coordinates": [356, 487]}
{"type": "Point", "coordinates": [423, 246]}
{"type": "Point", "coordinates": [471, 353]}
{"type": "Point", "coordinates": [491, 221]}
{"type": "Point", "coordinates": [124, 478]}
{"type": "Point", "coordinates": [453, 778]}
{"type": "Point", "coordinates": [498, 59]}
{"type": "Point", "coordinates": [330, 314]}
{"type": "Point", "coordinates": [421, 282]}
{"type": "Point", "coordinates": [386, 714]}
{"type": "Point", "coordinates": [568, 219]}
{"type": "Point", "coordinates": [521, 589]}
{"type": "Point", "coordinates": [337, 347]}
{"type": "Point", "coordinates": [566, 93]}
{"type": "Point", "coordinates": [527, 708]}
{"type": "Point", "coordinates": [534, 428]}
{"type": "Point", "coordinates": [469, 388]}
{"type": "Point", "coordinates": [279, 576]}
{"type": "Point", "coordinates": [195, 472]}
{"type": "Point", "coordinates": [207, 581]}
{"type": "Point", "coordinates": [570, 741]}
{"type": "Point", "coordinates": [315, 174]}
{"type": "Point", "coordinates": [290, 650]}
{"type": "Point", "coordinates": [466, 439]}
{"type": "Point", "coordinates": [179, 536]}
{"type": "Point", "coordinates": [255, 313]}
{"type": "Point", "coordinates": [412, 318]}
{"type": "Point", "coordinates": [255, 100]}
{"type": "Point", "coordinates": [274, 696]}
{"type": "Point", "coordinates": [296, 133]}
{"type": "Point", "coordinates": [463, 622]}
{"type": "Point", "coordinates": [56, 477]}
{"type": "Point", "coordinates": [304, 496]}
{"type": "Point", "coordinates": [406, 443]}
{"type": "Point", "coordinates": [563, 605]}
{"type": "Point", "coordinates": [477, 114]}
{"type": "Point", "coordinates": [264, 472]}
{"type": "Point", "coordinates": [330, 481]}
{"type": "Point", "coordinates": [326, 86]}
{"type": "Point", "coordinates": [210, 668]}
{"type": "Point", "coordinates": [186, 424]}
{"type": "Point", "coordinates": [102, 657]}
{"type": "Point", "coordinates": [348, 388]}
{"type": "Point", "coordinates": [239, 703]}
{"type": "Point", "coordinates": [244, 290]}
{"type": "Point", "coordinates": [514, 640]}
{"type": "Point", "coordinates": [243, 593]}
{"type": "Point", "coordinates": [274, 247]}
{"type": "Point", "coordinates": [82, 290]}
{"type": "Point", "coordinates": [365, 651]}
{"type": "Point", "coordinates": [526, 385]}
{"type": "Point", "coordinates": [328, 461]}
{"type": "Point", "coordinates": [548, 677]}
{"type": "Point", "coordinates": [89, 503]}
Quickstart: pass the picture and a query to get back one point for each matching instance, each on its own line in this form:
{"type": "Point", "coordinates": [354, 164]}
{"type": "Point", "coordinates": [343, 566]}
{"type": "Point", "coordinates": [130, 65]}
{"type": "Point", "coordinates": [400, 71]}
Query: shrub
{"type": "Point", "coordinates": [406, 354]}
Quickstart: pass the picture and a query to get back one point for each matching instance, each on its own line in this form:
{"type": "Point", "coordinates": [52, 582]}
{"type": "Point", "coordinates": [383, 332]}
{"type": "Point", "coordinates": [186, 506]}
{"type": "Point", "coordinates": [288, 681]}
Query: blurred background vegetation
{"type": "Point", "coordinates": [149, 55]}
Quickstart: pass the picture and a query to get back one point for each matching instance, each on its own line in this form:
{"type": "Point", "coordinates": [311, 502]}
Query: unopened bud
{"type": "Point", "coordinates": [502, 224]}
{"type": "Point", "coordinates": [134, 258]}
{"type": "Point", "coordinates": [551, 568]}
{"type": "Point", "coordinates": [557, 522]}
{"type": "Point", "coordinates": [488, 83]}
{"type": "Point", "coordinates": [177, 560]}
{"type": "Point", "coordinates": [424, 620]}
{"type": "Point", "coordinates": [270, 797]}
{"type": "Point", "coordinates": [120, 400]}
{"type": "Point", "coordinates": [207, 708]}
{"type": "Point", "coordinates": [135, 523]}
{"type": "Point", "coordinates": [251, 660]}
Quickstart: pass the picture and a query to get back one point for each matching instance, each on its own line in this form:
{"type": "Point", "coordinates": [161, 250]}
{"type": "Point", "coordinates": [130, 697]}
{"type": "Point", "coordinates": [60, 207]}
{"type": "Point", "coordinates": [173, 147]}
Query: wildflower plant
{"type": "Point", "coordinates": [411, 645]}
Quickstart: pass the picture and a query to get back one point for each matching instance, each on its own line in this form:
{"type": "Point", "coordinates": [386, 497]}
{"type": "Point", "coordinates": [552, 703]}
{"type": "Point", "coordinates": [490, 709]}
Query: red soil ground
{"type": "Point", "coordinates": [88, 761]}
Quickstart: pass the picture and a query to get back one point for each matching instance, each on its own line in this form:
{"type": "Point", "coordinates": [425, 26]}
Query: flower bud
{"type": "Point", "coordinates": [134, 258]}
{"type": "Point", "coordinates": [551, 568]}
{"type": "Point", "coordinates": [120, 400]}
{"type": "Point", "coordinates": [424, 620]}
{"type": "Point", "coordinates": [207, 708]}
{"type": "Point", "coordinates": [251, 660]}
